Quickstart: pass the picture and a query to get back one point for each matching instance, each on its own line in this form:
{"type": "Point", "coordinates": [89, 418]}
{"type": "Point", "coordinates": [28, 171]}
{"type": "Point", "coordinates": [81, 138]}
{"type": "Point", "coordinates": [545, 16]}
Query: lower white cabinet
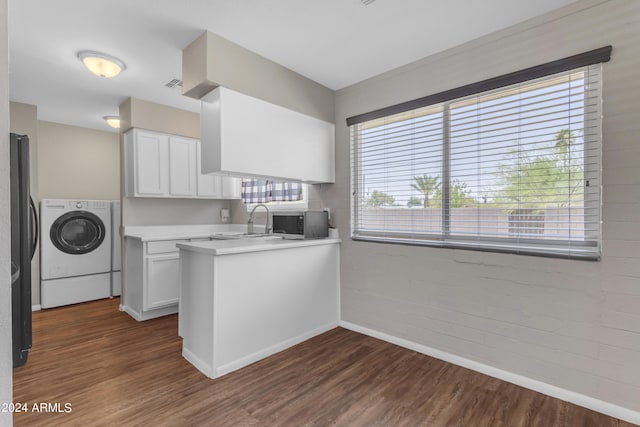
{"type": "Point", "coordinates": [151, 283]}
{"type": "Point", "coordinates": [161, 285]}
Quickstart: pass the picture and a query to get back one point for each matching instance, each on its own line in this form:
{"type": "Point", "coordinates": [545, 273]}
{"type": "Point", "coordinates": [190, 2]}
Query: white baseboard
{"type": "Point", "coordinates": [266, 352]}
{"type": "Point", "coordinates": [526, 382]}
{"type": "Point", "coordinates": [36, 307]}
{"type": "Point", "coordinates": [147, 315]}
{"type": "Point", "coordinates": [199, 364]}
{"type": "Point", "coordinates": [131, 312]}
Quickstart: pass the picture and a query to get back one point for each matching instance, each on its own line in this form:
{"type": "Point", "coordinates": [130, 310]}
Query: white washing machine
{"type": "Point", "coordinates": [75, 251]}
{"type": "Point", "coordinates": [116, 249]}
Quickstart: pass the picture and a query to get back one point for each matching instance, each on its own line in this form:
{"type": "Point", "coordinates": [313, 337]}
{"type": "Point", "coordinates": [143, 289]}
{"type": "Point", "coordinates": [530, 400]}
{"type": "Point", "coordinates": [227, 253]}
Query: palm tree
{"type": "Point", "coordinates": [426, 184]}
{"type": "Point", "coordinates": [564, 139]}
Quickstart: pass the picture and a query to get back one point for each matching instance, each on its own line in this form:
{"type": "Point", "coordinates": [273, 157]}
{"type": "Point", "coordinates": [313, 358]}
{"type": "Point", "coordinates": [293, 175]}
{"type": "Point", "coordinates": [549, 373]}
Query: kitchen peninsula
{"type": "Point", "coordinates": [242, 300]}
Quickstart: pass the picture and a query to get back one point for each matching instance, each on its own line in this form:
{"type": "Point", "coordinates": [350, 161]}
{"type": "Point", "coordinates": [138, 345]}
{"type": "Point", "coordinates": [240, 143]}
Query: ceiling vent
{"type": "Point", "coordinates": [367, 2]}
{"type": "Point", "coordinates": [174, 83]}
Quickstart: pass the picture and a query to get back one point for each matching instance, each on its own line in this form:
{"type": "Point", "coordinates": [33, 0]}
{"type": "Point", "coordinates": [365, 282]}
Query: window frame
{"type": "Point", "coordinates": [540, 247]}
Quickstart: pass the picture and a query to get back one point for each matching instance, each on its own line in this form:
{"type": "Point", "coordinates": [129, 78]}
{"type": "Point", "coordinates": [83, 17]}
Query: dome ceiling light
{"type": "Point", "coordinates": [101, 64]}
{"type": "Point", "coordinates": [113, 121]}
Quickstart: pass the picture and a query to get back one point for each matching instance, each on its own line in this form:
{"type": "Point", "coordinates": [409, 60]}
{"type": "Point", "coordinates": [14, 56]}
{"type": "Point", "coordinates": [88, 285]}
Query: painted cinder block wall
{"type": "Point", "coordinates": [572, 324]}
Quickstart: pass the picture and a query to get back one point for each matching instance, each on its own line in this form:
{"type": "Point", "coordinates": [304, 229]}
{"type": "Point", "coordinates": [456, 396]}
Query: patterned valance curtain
{"type": "Point", "coordinates": [261, 191]}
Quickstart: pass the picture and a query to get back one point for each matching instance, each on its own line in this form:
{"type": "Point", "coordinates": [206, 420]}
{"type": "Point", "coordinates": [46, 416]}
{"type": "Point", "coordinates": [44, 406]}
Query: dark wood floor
{"type": "Point", "coordinates": [116, 371]}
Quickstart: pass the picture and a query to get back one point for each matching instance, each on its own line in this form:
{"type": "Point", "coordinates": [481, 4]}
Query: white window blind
{"type": "Point", "coordinates": [514, 169]}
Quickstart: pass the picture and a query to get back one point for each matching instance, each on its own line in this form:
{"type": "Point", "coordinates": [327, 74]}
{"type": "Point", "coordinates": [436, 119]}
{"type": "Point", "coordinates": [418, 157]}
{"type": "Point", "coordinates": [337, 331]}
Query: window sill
{"type": "Point", "coordinates": [583, 255]}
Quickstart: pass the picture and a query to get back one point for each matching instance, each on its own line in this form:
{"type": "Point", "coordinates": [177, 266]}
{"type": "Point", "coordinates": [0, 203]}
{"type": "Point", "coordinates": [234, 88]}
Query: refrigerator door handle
{"type": "Point", "coordinates": [15, 272]}
{"type": "Point", "coordinates": [35, 226]}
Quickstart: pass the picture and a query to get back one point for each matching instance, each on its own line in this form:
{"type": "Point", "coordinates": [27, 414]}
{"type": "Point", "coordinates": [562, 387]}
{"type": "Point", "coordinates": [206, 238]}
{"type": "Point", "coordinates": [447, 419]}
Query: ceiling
{"type": "Point", "coordinates": [334, 42]}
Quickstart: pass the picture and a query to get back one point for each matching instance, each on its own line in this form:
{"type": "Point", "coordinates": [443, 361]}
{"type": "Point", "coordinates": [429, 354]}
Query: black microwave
{"type": "Point", "coordinates": [301, 225]}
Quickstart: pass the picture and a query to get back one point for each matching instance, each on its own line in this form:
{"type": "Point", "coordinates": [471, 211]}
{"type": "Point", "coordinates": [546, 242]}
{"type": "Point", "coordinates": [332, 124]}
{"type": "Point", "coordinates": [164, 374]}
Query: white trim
{"type": "Point", "coordinates": [36, 307]}
{"type": "Point", "coordinates": [150, 314]}
{"type": "Point", "coordinates": [198, 363]}
{"type": "Point", "coordinates": [131, 312]}
{"type": "Point", "coordinates": [535, 385]}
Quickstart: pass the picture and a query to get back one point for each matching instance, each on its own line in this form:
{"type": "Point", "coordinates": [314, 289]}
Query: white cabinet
{"type": "Point", "coordinates": [152, 278]}
{"type": "Point", "coordinates": [213, 186]}
{"type": "Point", "coordinates": [161, 276]}
{"type": "Point", "coordinates": [231, 187]}
{"type": "Point", "coordinates": [161, 284]}
{"type": "Point", "coordinates": [168, 166]}
{"type": "Point", "coordinates": [182, 167]}
{"type": "Point", "coordinates": [148, 152]}
{"type": "Point", "coordinates": [246, 136]}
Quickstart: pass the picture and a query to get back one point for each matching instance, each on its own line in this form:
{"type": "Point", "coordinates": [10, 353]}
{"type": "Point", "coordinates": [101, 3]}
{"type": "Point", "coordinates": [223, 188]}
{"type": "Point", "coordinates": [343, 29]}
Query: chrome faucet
{"type": "Point", "coordinates": [267, 227]}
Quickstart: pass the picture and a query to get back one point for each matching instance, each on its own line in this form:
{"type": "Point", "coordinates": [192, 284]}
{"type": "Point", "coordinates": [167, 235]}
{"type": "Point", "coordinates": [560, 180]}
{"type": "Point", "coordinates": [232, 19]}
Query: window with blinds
{"type": "Point", "coordinates": [512, 169]}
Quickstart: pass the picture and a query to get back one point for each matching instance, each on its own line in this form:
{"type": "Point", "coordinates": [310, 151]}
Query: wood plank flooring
{"type": "Point", "coordinates": [116, 371]}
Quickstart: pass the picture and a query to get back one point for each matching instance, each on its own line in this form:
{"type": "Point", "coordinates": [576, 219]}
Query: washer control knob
{"type": "Point", "coordinates": [78, 205]}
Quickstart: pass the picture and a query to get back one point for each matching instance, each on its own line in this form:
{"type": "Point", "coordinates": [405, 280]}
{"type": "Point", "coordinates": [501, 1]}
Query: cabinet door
{"type": "Point", "coordinates": [231, 187]}
{"type": "Point", "coordinates": [182, 167]}
{"type": "Point", "coordinates": [207, 185]}
{"type": "Point", "coordinates": [162, 281]}
{"type": "Point", "coordinates": [150, 152]}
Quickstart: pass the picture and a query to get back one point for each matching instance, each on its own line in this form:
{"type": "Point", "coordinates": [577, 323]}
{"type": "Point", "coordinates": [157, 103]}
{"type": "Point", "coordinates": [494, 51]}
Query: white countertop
{"type": "Point", "coordinates": [148, 233]}
{"type": "Point", "coordinates": [253, 244]}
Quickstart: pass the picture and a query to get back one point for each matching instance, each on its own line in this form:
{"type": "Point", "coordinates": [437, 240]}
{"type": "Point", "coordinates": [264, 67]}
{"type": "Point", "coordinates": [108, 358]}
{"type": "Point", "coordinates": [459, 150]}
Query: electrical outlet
{"type": "Point", "coordinates": [224, 215]}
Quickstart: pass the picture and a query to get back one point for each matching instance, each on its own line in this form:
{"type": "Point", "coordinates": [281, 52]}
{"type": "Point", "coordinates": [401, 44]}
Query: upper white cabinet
{"type": "Point", "coordinates": [230, 188]}
{"type": "Point", "coordinates": [149, 153]}
{"type": "Point", "coordinates": [162, 165]}
{"type": "Point", "coordinates": [182, 167]}
{"type": "Point", "coordinates": [215, 186]}
{"type": "Point", "coordinates": [243, 135]}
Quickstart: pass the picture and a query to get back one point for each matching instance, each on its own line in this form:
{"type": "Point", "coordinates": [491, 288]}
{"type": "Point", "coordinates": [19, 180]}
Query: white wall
{"type": "Point", "coordinates": [572, 324]}
{"type": "Point", "coordinates": [77, 163]}
{"type": "Point", "coordinates": [5, 229]}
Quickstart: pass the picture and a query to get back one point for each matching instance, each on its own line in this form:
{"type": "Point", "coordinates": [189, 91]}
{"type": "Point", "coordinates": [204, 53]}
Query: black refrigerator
{"type": "Point", "coordinates": [24, 238]}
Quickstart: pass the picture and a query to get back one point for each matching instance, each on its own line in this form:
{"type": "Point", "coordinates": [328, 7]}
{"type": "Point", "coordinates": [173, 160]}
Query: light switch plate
{"type": "Point", "coordinates": [225, 215]}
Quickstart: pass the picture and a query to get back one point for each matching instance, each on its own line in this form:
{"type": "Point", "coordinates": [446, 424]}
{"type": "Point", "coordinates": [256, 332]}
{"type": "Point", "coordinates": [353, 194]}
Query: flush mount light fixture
{"type": "Point", "coordinates": [101, 64]}
{"type": "Point", "coordinates": [113, 121]}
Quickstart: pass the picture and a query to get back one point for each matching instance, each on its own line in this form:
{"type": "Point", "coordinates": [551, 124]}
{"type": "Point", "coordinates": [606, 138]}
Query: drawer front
{"type": "Point", "coordinates": [163, 246]}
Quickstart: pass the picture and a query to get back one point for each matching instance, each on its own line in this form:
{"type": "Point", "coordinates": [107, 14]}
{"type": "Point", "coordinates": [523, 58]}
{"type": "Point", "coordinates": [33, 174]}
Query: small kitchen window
{"type": "Point", "coordinates": [511, 164]}
{"type": "Point", "coordinates": [277, 195]}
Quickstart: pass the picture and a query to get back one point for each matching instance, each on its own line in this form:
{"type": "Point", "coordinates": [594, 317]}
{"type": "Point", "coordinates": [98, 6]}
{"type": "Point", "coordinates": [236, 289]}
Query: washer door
{"type": "Point", "coordinates": [77, 232]}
